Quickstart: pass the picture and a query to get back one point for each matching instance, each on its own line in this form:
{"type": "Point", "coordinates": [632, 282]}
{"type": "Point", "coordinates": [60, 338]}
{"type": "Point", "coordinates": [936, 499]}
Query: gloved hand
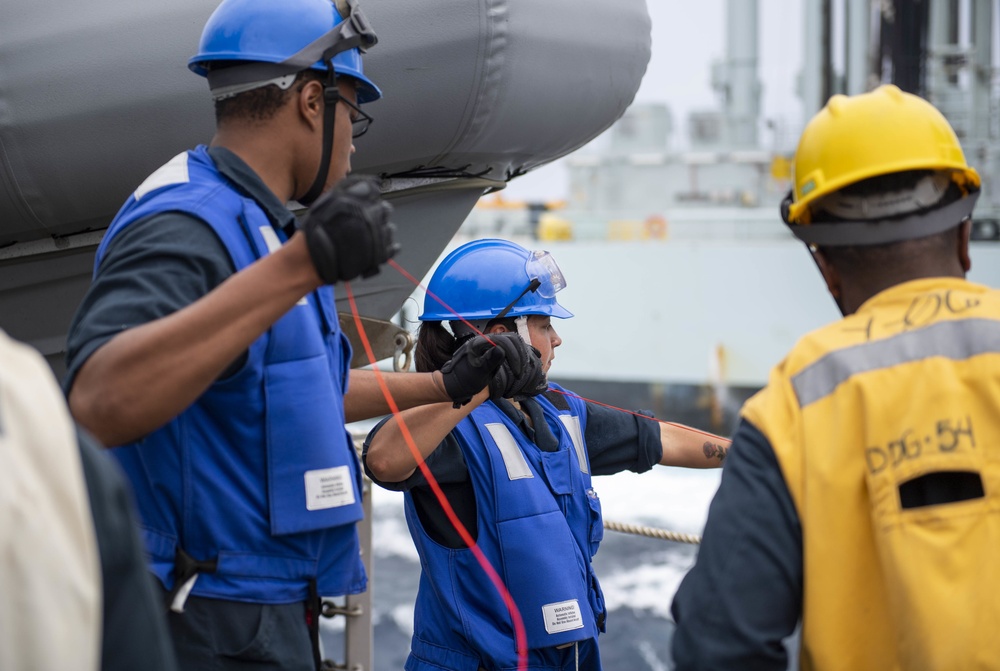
{"type": "Point", "coordinates": [521, 372]}
{"type": "Point", "coordinates": [348, 231]}
{"type": "Point", "coordinates": [470, 369]}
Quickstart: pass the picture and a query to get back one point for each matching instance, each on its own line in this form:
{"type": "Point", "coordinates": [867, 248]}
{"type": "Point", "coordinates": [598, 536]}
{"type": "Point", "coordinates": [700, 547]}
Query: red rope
{"type": "Point", "coordinates": [515, 615]}
{"type": "Point", "coordinates": [519, 630]}
{"type": "Point", "coordinates": [459, 317]}
{"type": "Point", "coordinates": [430, 293]}
{"type": "Point", "coordinates": [639, 414]}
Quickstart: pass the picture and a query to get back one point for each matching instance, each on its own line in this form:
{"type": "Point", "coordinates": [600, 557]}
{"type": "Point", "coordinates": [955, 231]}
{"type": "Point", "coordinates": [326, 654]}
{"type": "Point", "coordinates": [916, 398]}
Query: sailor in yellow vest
{"type": "Point", "coordinates": [862, 492]}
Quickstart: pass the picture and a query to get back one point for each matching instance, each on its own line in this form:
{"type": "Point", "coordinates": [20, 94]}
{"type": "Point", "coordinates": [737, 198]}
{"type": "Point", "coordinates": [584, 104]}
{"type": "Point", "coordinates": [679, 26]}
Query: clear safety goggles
{"type": "Point", "coordinates": [542, 266]}
{"type": "Point", "coordinates": [546, 279]}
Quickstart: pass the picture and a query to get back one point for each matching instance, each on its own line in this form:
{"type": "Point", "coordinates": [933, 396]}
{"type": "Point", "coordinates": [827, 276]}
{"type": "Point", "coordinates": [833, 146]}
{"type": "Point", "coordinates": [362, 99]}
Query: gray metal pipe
{"type": "Point", "coordinates": [941, 46]}
{"type": "Point", "coordinates": [858, 60]}
{"type": "Point", "coordinates": [811, 75]}
{"type": "Point", "coordinates": [981, 70]}
{"type": "Point", "coordinates": [742, 108]}
{"type": "Point", "coordinates": [95, 95]}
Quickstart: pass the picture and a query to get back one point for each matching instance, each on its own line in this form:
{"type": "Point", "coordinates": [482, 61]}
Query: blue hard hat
{"type": "Point", "coordinates": [490, 278]}
{"type": "Point", "coordinates": [283, 37]}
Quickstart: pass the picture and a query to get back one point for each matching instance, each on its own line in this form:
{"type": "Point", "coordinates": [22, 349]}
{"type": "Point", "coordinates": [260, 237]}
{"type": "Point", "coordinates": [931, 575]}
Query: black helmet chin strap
{"type": "Point", "coordinates": [331, 95]}
{"type": "Point", "coordinates": [532, 287]}
{"type": "Point", "coordinates": [353, 32]}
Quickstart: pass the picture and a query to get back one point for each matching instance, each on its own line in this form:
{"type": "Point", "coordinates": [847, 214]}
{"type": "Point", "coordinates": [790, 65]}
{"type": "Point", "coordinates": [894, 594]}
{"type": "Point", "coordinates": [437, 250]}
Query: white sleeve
{"type": "Point", "coordinates": [50, 580]}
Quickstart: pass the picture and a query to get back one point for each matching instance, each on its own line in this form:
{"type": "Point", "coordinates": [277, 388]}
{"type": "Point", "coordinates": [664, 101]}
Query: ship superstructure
{"type": "Point", "coordinates": [687, 287]}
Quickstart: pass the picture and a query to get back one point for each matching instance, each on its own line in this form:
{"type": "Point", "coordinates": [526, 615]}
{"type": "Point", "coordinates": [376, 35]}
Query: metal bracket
{"type": "Point", "coordinates": [387, 340]}
{"type": "Point", "coordinates": [330, 609]}
{"type": "Point", "coordinates": [333, 666]}
{"type": "Point", "coordinates": [403, 356]}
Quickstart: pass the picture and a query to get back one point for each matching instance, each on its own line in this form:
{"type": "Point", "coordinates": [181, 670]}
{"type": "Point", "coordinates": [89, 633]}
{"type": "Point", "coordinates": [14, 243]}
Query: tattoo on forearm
{"type": "Point", "coordinates": [714, 451]}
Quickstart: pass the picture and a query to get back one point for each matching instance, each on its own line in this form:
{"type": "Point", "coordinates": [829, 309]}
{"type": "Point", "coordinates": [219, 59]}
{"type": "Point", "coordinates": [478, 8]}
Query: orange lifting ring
{"type": "Point", "coordinates": [656, 227]}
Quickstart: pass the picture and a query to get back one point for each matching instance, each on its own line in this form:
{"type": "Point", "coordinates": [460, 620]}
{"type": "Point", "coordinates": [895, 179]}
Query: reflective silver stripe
{"type": "Point", "coordinates": [517, 466]}
{"type": "Point", "coordinates": [270, 238]}
{"type": "Point", "coordinates": [572, 424]}
{"type": "Point", "coordinates": [273, 245]}
{"type": "Point", "coordinates": [956, 340]}
{"type": "Point", "coordinates": [174, 171]}
{"type": "Point", "coordinates": [223, 92]}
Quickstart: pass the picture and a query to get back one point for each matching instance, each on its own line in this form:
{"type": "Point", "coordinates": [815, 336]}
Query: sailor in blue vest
{"type": "Point", "coordinates": [208, 348]}
{"type": "Point", "coordinates": [516, 465]}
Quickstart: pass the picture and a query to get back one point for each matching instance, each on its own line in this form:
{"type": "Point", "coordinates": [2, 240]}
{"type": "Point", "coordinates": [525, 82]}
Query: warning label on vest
{"type": "Point", "coordinates": [329, 488]}
{"type": "Point", "coordinates": [562, 616]}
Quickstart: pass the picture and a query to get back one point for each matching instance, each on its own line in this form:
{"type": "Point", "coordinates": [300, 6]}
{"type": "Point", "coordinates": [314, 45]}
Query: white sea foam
{"type": "Point", "coordinates": [671, 498]}
{"type": "Point", "coordinates": [403, 617]}
{"type": "Point", "coordinates": [649, 587]}
{"type": "Point", "coordinates": [652, 657]}
{"type": "Point", "coordinates": [390, 537]}
{"type": "Point", "coordinates": [387, 499]}
{"type": "Point", "coordinates": [675, 499]}
{"type": "Point", "coordinates": [336, 625]}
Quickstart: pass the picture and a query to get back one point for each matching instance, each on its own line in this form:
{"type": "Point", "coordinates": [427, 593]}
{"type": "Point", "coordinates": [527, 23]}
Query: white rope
{"type": "Point", "coordinates": [652, 532]}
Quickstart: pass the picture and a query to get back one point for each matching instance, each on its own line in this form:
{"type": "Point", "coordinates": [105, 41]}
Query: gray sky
{"type": "Point", "coordinates": [688, 35]}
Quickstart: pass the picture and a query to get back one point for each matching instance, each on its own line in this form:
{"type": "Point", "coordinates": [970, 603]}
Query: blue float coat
{"type": "Point", "coordinates": [539, 523]}
{"type": "Point", "coordinates": [259, 473]}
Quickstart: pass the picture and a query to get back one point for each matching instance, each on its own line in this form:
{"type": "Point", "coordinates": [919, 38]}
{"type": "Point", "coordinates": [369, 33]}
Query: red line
{"type": "Point", "coordinates": [519, 631]}
{"type": "Point", "coordinates": [639, 414]}
{"type": "Point", "coordinates": [520, 634]}
{"type": "Point", "coordinates": [430, 293]}
{"type": "Point", "coordinates": [447, 307]}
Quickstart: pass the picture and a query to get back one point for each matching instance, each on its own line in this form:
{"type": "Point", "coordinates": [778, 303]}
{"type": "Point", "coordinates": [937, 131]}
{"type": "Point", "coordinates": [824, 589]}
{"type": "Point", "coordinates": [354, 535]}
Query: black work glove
{"type": "Point", "coordinates": [348, 231]}
{"type": "Point", "coordinates": [521, 372]}
{"type": "Point", "coordinates": [470, 369]}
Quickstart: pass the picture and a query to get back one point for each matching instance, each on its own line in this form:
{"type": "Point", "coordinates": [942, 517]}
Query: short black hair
{"type": "Point", "coordinates": [877, 259]}
{"type": "Point", "coordinates": [260, 104]}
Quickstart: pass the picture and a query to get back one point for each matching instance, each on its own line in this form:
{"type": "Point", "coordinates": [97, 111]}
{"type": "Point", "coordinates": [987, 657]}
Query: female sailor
{"type": "Point", "coordinates": [515, 463]}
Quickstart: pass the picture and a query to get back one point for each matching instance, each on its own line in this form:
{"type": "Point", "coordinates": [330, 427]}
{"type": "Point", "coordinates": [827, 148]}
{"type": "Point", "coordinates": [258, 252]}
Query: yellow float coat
{"type": "Point", "coordinates": [908, 386]}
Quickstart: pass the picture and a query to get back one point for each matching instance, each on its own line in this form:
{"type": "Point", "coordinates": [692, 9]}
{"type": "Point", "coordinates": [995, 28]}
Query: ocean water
{"type": "Point", "coordinates": [639, 574]}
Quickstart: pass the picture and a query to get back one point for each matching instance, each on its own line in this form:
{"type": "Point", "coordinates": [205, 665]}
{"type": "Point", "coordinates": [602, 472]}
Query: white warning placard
{"type": "Point", "coordinates": [562, 616]}
{"type": "Point", "coordinates": [329, 488]}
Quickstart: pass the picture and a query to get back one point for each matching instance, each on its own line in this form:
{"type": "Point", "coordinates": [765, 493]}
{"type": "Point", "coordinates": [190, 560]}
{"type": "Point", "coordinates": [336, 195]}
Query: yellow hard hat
{"type": "Point", "coordinates": [857, 137]}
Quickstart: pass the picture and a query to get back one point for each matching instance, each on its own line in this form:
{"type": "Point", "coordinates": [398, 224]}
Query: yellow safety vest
{"type": "Point", "coordinates": [861, 414]}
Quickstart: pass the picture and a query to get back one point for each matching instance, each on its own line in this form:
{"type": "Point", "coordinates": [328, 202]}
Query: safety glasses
{"type": "Point", "coordinates": [360, 121]}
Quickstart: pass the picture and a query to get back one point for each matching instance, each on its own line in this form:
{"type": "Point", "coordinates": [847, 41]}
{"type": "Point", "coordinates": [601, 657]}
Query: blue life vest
{"type": "Point", "coordinates": [260, 472]}
{"type": "Point", "coordinates": [539, 524]}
